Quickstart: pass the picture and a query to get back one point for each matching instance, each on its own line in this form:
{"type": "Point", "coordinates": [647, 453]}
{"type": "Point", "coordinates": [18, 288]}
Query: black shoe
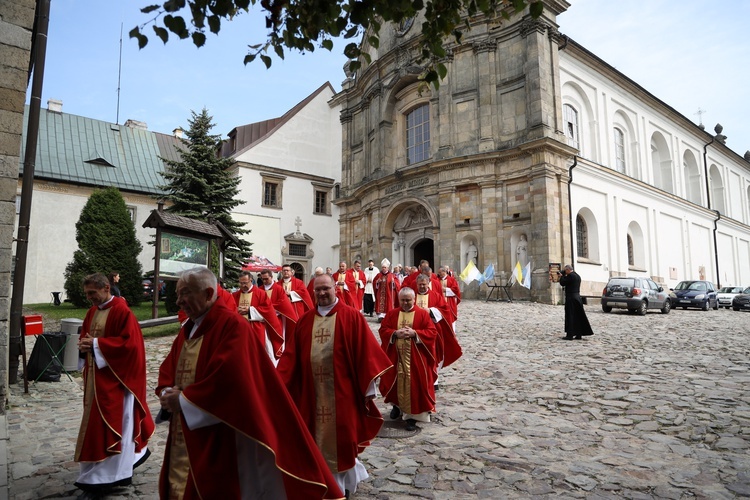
{"type": "Point", "coordinates": [437, 387]}
{"type": "Point", "coordinates": [566, 338]}
{"type": "Point", "coordinates": [411, 425]}
{"type": "Point", "coordinates": [395, 413]}
{"type": "Point", "coordinates": [580, 338]}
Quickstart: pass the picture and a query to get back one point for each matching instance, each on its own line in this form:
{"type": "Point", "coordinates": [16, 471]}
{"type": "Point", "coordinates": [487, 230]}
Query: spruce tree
{"type": "Point", "coordinates": [201, 186]}
{"type": "Point", "coordinates": [106, 242]}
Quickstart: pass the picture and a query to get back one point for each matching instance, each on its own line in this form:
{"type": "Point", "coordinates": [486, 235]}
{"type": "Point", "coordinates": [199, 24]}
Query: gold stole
{"type": "Point", "coordinates": [287, 286]}
{"type": "Point", "coordinates": [89, 391]}
{"type": "Point", "coordinates": [444, 283]}
{"type": "Point", "coordinates": [423, 301]}
{"type": "Point", "coordinates": [321, 361]}
{"type": "Point", "coordinates": [179, 461]}
{"type": "Point", "coordinates": [403, 365]}
{"type": "Point", "coordinates": [245, 300]}
{"type": "Point", "coordinates": [269, 292]}
{"type": "Point", "coordinates": [382, 293]}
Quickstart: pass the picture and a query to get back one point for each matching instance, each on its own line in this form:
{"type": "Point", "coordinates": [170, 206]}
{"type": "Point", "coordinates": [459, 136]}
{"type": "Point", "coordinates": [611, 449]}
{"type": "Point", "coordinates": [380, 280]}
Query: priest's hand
{"type": "Point", "coordinates": [405, 333]}
{"type": "Point", "coordinates": [242, 310]}
{"type": "Point", "coordinates": [170, 399]}
{"type": "Point", "coordinates": [86, 343]}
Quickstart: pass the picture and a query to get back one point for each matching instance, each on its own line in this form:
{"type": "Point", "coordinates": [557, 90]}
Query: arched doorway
{"type": "Point", "coordinates": [424, 250]}
{"type": "Point", "coordinates": [299, 271]}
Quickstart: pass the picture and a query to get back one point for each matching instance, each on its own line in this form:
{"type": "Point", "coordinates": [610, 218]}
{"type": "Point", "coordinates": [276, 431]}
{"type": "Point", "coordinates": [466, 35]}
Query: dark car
{"type": "Point", "coordinates": [742, 300]}
{"type": "Point", "coordinates": [695, 293]}
{"type": "Point", "coordinates": [637, 295]}
{"type": "Point", "coordinates": [148, 288]}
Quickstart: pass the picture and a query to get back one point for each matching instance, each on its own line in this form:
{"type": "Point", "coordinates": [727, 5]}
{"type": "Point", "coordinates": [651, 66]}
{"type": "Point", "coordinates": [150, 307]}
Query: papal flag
{"type": "Point", "coordinates": [470, 273]}
{"type": "Point", "coordinates": [527, 276]}
{"type": "Point", "coordinates": [518, 272]}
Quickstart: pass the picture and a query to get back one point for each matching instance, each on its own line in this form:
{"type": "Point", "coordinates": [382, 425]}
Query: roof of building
{"type": "Point", "coordinates": [92, 152]}
{"type": "Point", "coordinates": [245, 137]}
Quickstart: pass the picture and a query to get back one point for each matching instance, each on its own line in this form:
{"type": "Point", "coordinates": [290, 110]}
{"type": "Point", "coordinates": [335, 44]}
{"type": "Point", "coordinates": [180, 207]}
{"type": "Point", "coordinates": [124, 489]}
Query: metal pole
{"type": "Point", "coordinates": [22, 240]}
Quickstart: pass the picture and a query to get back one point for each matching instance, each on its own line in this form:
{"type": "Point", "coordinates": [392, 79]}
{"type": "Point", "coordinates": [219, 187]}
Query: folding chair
{"type": "Point", "coordinates": [33, 325]}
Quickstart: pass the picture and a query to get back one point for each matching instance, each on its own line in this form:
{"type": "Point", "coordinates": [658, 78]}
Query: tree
{"type": "Point", "coordinates": [303, 25]}
{"type": "Point", "coordinates": [106, 242]}
{"type": "Point", "coordinates": [201, 186]}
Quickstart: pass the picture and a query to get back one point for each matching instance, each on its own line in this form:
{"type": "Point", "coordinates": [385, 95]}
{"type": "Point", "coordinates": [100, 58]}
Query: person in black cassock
{"type": "Point", "coordinates": [576, 323]}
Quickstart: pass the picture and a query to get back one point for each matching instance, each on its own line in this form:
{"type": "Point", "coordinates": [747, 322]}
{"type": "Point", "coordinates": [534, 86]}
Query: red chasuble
{"type": "Point", "coordinates": [235, 382]}
{"type": "Point", "coordinates": [347, 295]}
{"type": "Point", "coordinates": [121, 344]}
{"type": "Point", "coordinates": [328, 368]}
{"type": "Point", "coordinates": [450, 283]}
{"type": "Point", "coordinates": [359, 277]}
{"type": "Point", "coordinates": [386, 288]}
{"type": "Point", "coordinates": [271, 327]}
{"type": "Point", "coordinates": [296, 285]}
{"type": "Point", "coordinates": [447, 348]}
{"type": "Point", "coordinates": [288, 314]}
{"type": "Point", "coordinates": [411, 282]}
{"type": "Point", "coordinates": [410, 385]}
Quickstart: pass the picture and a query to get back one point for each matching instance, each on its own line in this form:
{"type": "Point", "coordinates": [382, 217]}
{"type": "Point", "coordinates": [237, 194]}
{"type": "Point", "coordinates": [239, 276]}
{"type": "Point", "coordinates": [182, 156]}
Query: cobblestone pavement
{"type": "Point", "coordinates": [649, 407]}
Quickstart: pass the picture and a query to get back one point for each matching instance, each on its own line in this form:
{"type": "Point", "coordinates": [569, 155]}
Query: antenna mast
{"type": "Point", "coordinates": [119, 75]}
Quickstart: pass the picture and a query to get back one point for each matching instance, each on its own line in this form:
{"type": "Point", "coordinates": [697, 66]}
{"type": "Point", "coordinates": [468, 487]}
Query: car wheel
{"type": "Point", "coordinates": [705, 305]}
{"type": "Point", "coordinates": [606, 309]}
{"type": "Point", "coordinates": [642, 308]}
{"type": "Point", "coordinates": [666, 308]}
{"type": "Point", "coordinates": [716, 305]}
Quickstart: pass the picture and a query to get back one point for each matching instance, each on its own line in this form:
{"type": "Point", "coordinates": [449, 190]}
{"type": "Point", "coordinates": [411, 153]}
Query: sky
{"type": "Point", "coordinates": [691, 54]}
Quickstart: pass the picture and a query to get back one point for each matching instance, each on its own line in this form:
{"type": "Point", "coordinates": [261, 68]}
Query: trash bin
{"type": "Point", "coordinates": [44, 363]}
{"type": "Point", "coordinates": [71, 326]}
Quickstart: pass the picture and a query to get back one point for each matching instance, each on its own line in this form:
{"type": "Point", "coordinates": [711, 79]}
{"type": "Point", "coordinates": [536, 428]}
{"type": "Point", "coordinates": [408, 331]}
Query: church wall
{"type": "Point", "coordinates": [55, 210]}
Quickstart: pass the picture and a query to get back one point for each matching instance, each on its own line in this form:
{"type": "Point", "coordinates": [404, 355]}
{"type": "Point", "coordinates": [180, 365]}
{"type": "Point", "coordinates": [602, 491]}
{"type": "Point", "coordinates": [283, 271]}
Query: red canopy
{"type": "Point", "coordinates": [257, 263]}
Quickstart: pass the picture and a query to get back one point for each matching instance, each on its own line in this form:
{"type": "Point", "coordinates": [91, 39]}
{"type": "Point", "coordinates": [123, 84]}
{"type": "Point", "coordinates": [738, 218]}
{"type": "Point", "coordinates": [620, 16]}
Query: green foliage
{"type": "Point", "coordinates": [106, 242]}
{"type": "Point", "coordinates": [304, 25]}
{"type": "Point", "coordinates": [201, 186]}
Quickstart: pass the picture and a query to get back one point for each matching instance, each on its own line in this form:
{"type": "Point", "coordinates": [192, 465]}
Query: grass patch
{"type": "Point", "coordinates": [67, 310]}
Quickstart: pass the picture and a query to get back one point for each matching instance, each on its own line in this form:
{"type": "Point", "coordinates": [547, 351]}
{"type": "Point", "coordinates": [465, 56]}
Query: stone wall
{"type": "Point", "coordinates": [16, 21]}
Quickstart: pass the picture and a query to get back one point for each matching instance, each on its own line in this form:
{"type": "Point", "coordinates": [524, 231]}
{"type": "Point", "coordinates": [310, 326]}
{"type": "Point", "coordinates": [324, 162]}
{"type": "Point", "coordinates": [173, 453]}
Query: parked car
{"type": "Point", "coordinates": [637, 295]}
{"type": "Point", "coordinates": [726, 294]}
{"type": "Point", "coordinates": [148, 289]}
{"type": "Point", "coordinates": [695, 293]}
{"type": "Point", "coordinates": [742, 301]}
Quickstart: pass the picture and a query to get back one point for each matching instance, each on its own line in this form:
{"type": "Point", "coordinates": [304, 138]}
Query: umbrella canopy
{"type": "Point", "coordinates": [257, 263]}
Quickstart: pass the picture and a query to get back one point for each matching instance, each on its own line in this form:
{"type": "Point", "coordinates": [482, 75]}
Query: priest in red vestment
{"type": "Point", "coordinates": [360, 281]}
{"type": "Point", "coordinates": [116, 423]}
{"type": "Point", "coordinates": [296, 290]}
{"type": "Point", "coordinates": [311, 284]}
{"type": "Point", "coordinates": [252, 303]}
{"type": "Point", "coordinates": [407, 336]}
{"type": "Point", "coordinates": [451, 292]}
{"type": "Point", "coordinates": [424, 268]}
{"type": "Point", "coordinates": [234, 431]}
{"type": "Point", "coordinates": [284, 309]}
{"type": "Point", "coordinates": [346, 286]}
{"type": "Point", "coordinates": [330, 365]}
{"type": "Point", "coordinates": [447, 349]}
{"type": "Point", "coordinates": [386, 288]}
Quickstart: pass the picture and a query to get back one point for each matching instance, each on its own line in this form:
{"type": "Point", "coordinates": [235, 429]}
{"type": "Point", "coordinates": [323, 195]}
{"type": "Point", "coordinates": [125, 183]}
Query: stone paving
{"type": "Point", "coordinates": [649, 407]}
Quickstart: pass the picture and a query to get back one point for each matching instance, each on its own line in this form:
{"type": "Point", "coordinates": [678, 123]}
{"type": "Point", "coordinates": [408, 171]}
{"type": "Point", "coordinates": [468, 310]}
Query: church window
{"type": "Point", "coordinates": [131, 213]}
{"type": "Point", "coordinates": [619, 150]}
{"type": "Point", "coordinates": [297, 250]}
{"type": "Point", "coordinates": [582, 238]}
{"type": "Point", "coordinates": [321, 202]}
{"type": "Point", "coordinates": [273, 187]}
{"type": "Point", "coordinates": [269, 194]}
{"type": "Point", "coordinates": [570, 117]}
{"type": "Point", "coordinates": [418, 134]}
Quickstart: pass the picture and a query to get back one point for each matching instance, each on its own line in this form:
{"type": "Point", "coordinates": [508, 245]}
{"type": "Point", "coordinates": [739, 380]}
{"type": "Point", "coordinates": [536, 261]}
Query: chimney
{"type": "Point", "coordinates": [54, 105]}
{"type": "Point", "coordinates": [178, 133]}
{"type": "Point", "coordinates": [136, 124]}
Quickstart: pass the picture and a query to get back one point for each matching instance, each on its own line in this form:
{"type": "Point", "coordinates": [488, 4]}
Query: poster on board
{"type": "Point", "coordinates": [179, 253]}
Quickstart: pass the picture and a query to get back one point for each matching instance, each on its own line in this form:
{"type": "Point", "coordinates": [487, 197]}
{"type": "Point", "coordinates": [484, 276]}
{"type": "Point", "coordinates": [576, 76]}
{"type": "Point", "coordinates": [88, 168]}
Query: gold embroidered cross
{"type": "Point", "coordinates": [324, 415]}
{"type": "Point", "coordinates": [322, 335]}
{"type": "Point", "coordinates": [184, 368]}
{"type": "Point", "coordinates": [321, 374]}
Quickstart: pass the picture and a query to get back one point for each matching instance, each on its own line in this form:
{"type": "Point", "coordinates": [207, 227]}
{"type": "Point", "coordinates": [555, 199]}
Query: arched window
{"type": "Point", "coordinates": [418, 134]}
{"type": "Point", "coordinates": [619, 150]}
{"type": "Point", "coordinates": [631, 256]}
{"type": "Point", "coordinates": [570, 117]}
{"type": "Point", "coordinates": [661, 163]}
{"type": "Point", "coordinates": [582, 237]}
{"type": "Point", "coordinates": [717, 189]}
{"type": "Point", "coordinates": [692, 178]}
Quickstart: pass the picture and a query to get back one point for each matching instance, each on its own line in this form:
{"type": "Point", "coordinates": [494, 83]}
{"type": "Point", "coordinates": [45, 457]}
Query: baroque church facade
{"type": "Point", "coordinates": [534, 150]}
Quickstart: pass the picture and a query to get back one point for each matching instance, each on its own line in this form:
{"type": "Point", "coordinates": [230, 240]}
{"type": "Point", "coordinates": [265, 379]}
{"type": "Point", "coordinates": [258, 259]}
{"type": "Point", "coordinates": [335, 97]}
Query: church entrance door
{"type": "Point", "coordinates": [425, 250]}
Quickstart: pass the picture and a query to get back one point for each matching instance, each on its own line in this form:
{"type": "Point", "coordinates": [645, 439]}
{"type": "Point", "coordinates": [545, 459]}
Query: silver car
{"type": "Point", "coordinates": [726, 294]}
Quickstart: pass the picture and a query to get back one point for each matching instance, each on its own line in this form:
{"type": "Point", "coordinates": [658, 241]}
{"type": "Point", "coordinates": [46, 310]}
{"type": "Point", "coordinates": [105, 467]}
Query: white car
{"type": "Point", "coordinates": [726, 294]}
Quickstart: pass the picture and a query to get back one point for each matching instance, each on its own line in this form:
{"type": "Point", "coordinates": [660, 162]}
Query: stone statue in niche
{"type": "Point", "coordinates": [472, 253]}
{"type": "Point", "coordinates": [522, 250]}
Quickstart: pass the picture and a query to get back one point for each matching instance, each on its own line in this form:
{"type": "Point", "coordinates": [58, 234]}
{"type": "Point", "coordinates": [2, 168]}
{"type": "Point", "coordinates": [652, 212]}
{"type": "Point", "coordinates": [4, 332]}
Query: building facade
{"type": "Point", "coordinates": [532, 150]}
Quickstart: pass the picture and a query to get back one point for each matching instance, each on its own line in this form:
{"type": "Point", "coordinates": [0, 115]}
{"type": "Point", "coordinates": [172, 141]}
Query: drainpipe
{"type": "Point", "coordinates": [572, 220]}
{"type": "Point", "coordinates": [708, 204]}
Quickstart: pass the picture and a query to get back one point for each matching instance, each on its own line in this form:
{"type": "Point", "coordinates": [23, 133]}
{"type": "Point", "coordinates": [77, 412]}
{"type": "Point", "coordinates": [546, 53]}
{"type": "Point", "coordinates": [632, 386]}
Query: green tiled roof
{"type": "Point", "coordinates": [92, 152]}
